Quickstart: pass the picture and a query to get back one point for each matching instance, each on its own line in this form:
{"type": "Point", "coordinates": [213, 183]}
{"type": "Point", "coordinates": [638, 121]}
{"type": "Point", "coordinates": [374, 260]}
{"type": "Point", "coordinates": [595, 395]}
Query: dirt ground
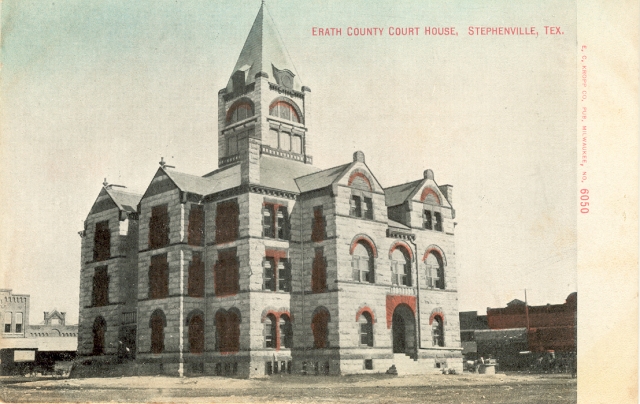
{"type": "Point", "coordinates": [466, 388]}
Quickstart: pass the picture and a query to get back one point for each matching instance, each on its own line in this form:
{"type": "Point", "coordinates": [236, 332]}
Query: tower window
{"type": "Point", "coordinates": [196, 276]}
{"type": "Point", "coordinates": [355, 206]}
{"type": "Point", "coordinates": [239, 112]}
{"type": "Point", "coordinates": [319, 272]}
{"type": "Point", "coordinates": [284, 110]}
{"type": "Point", "coordinates": [159, 277]}
{"type": "Point", "coordinates": [227, 218]}
{"type": "Point", "coordinates": [296, 144]}
{"type": "Point", "coordinates": [276, 274]}
{"type": "Point", "coordinates": [275, 221]}
{"type": "Point", "coordinates": [100, 287]}
{"type": "Point", "coordinates": [226, 273]}
{"type": "Point", "coordinates": [318, 231]}
{"type": "Point", "coordinates": [196, 225]}
{"type": "Point", "coordinates": [159, 227]}
{"type": "Point", "coordinates": [285, 141]}
{"type": "Point", "coordinates": [437, 226]}
{"type": "Point", "coordinates": [270, 331]}
{"type": "Point", "coordinates": [102, 241]}
{"type": "Point", "coordinates": [286, 332]}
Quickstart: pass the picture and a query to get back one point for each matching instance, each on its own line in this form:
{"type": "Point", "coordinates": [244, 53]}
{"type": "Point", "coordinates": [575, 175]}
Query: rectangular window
{"type": "Point", "coordinates": [284, 275]}
{"type": "Point", "coordinates": [433, 280]}
{"type": "Point", "coordinates": [272, 139]}
{"type": "Point", "coordinates": [18, 322]}
{"type": "Point", "coordinates": [285, 141]}
{"type": "Point", "coordinates": [267, 221]}
{"type": "Point", "coordinates": [159, 227]}
{"type": "Point", "coordinates": [355, 206]}
{"type": "Point", "coordinates": [275, 221]}
{"type": "Point", "coordinates": [360, 269]}
{"type": "Point", "coordinates": [196, 225]}
{"type": "Point", "coordinates": [100, 287]}
{"type": "Point", "coordinates": [366, 333]}
{"type": "Point", "coordinates": [227, 221]}
{"type": "Point", "coordinates": [367, 208]}
{"type": "Point", "coordinates": [226, 273]}
{"type": "Point", "coordinates": [318, 230]}
{"type": "Point", "coordinates": [195, 286]}
{"type": "Point", "coordinates": [395, 272]}
{"type": "Point", "coordinates": [282, 223]}
{"type": "Point", "coordinates": [438, 221]}
{"type": "Point", "coordinates": [296, 144]}
{"type": "Point", "coordinates": [268, 278]}
{"type": "Point", "coordinates": [7, 321]}
{"type": "Point", "coordinates": [102, 241]}
{"type": "Point", "coordinates": [319, 272]}
{"type": "Point", "coordinates": [368, 364]}
{"type": "Point", "coordinates": [426, 216]}
{"type": "Point", "coordinates": [159, 277]}
{"type": "Point", "coordinates": [232, 144]}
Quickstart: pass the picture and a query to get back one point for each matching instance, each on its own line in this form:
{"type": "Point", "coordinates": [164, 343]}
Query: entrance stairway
{"type": "Point", "coordinates": [404, 365]}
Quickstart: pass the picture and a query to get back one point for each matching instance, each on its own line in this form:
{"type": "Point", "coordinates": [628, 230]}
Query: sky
{"type": "Point", "coordinates": [95, 90]}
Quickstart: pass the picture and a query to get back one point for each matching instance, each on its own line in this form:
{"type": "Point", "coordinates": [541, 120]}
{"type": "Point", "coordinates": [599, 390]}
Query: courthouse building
{"type": "Point", "coordinates": [269, 264]}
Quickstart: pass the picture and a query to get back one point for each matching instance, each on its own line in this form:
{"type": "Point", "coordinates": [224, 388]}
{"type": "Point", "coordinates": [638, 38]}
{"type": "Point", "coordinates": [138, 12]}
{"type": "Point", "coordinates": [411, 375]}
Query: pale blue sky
{"type": "Point", "coordinates": [103, 89]}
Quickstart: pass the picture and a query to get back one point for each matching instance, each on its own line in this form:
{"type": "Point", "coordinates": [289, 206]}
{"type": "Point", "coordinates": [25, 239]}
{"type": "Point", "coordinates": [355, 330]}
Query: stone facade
{"type": "Point", "coordinates": [268, 264]}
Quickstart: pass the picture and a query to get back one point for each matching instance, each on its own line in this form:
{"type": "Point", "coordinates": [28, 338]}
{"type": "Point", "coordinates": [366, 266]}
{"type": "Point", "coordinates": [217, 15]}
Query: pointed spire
{"type": "Point", "coordinates": [263, 51]}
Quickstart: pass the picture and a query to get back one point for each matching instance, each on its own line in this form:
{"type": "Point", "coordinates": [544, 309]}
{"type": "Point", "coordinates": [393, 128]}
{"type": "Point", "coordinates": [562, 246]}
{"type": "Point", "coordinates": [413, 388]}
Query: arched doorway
{"type": "Point", "coordinates": [403, 327]}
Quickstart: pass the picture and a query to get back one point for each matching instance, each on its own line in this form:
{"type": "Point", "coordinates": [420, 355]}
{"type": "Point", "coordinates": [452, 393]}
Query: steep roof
{"type": "Point", "coordinates": [263, 50]}
{"type": "Point", "coordinates": [191, 183]}
{"type": "Point", "coordinates": [397, 194]}
{"type": "Point", "coordinates": [126, 201]}
{"type": "Point", "coordinates": [321, 179]}
{"type": "Point", "coordinates": [277, 173]}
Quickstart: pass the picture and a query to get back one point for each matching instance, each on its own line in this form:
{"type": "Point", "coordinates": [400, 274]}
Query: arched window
{"type": "Point", "coordinates": [400, 267]}
{"type": "Point", "coordinates": [320, 329]}
{"type": "Point", "coordinates": [157, 332]}
{"type": "Point", "coordinates": [435, 270]}
{"type": "Point", "coordinates": [270, 331]}
{"type": "Point", "coordinates": [239, 112]}
{"type": "Point", "coordinates": [284, 110]}
{"type": "Point", "coordinates": [362, 263]}
{"type": "Point", "coordinates": [366, 329]}
{"type": "Point", "coordinates": [437, 331]}
{"type": "Point", "coordinates": [227, 331]}
{"type": "Point", "coordinates": [196, 334]}
{"type": "Point", "coordinates": [286, 332]}
{"type": "Point", "coordinates": [99, 328]}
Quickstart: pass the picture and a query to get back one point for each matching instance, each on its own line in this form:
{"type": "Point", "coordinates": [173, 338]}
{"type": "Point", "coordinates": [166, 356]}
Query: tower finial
{"type": "Point", "coordinates": [162, 162]}
{"type": "Point", "coordinates": [264, 2]}
{"type": "Point", "coordinates": [106, 184]}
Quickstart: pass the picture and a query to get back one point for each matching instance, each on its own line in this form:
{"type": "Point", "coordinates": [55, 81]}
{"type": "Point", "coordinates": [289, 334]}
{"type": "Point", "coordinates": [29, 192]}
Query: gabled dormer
{"type": "Point", "coordinates": [110, 217]}
{"type": "Point", "coordinates": [262, 109]}
{"type": "Point", "coordinates": [421, 204]}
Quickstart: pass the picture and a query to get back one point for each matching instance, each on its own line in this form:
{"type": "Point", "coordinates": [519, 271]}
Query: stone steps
{"type": "Point", "coordinates": [404, 365]}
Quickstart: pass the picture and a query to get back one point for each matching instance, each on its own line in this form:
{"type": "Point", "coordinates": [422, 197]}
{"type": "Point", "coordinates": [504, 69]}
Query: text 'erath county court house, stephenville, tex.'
{"type": "Point", "coordinates": [269, 264]}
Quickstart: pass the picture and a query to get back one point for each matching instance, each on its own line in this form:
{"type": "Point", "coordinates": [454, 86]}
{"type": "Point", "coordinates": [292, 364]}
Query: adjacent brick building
{"type": "Point", "coordinates": [24, 345]}
{"type": "Point", "coordinates": [269, 264]}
